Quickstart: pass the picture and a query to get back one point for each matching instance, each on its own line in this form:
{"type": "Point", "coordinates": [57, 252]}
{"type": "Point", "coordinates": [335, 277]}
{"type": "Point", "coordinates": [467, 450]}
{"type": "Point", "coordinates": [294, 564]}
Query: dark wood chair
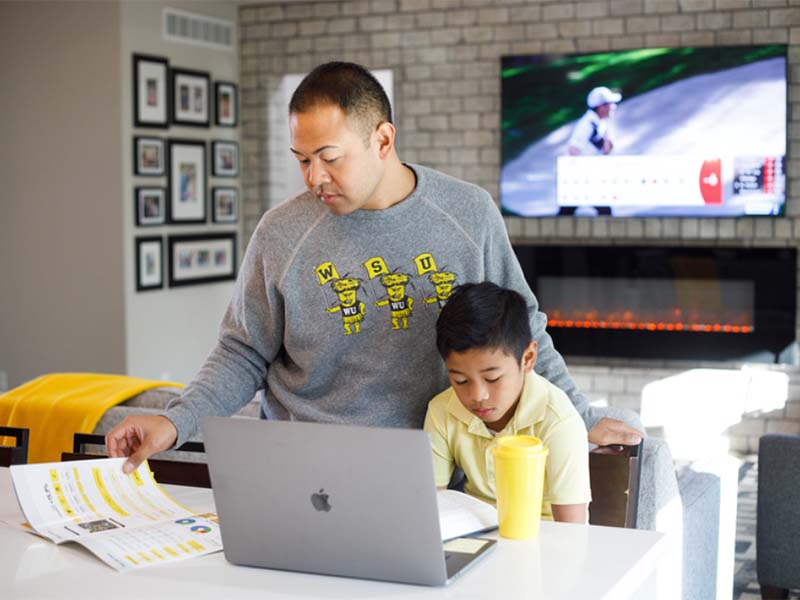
{"type": "Point", "coordinates": [165, 471]}
{"type": "Point", "coordinates": [18, 453]}
{"type": "Point", "coordinates": [614, 472]}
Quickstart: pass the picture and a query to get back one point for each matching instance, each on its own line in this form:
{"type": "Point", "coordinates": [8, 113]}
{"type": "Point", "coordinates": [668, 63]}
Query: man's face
{"type": "Point", "coordinates": [337, 166]}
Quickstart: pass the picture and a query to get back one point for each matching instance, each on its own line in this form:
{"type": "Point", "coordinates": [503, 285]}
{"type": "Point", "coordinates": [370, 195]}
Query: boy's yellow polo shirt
{"type": "Point", "coordinates": [544, 411]}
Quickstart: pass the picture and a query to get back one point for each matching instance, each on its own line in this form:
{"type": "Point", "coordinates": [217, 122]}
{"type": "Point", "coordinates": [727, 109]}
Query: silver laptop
{"type": "Point", "coordinates": [337, 500]}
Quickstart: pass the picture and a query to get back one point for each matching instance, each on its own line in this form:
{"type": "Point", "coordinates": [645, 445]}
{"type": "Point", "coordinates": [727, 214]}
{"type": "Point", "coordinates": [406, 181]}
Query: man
{"type": "Point", "coordinates": [592, 132]}
{"type": "Point", "coordinates": [367, 216]}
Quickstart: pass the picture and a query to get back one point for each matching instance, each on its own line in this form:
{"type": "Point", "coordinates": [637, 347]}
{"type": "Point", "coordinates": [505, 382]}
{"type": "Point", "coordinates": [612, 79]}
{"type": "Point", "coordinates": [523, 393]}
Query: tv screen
{"type": "Point", "coordinates": [652, 132]}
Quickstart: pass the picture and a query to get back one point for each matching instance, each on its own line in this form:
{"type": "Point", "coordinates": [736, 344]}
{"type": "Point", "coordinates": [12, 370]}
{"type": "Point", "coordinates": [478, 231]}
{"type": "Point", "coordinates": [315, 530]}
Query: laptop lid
{"type": "Point", "coordinates": [331, 499]}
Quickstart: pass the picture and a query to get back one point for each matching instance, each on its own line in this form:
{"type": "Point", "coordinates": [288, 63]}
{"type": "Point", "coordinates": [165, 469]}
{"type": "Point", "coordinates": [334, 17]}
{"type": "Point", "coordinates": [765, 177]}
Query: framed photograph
{"type": "Point", "coordinates": [225, 104]}
{"type": "Point", "coordinates": [150, 91]}
{"type": "Point", "coordinates": [225, 159]}
{"type": "Point", "coordinates": [224, 205]}
{"type": "Point", "coordinates": [187, 181]}
{"type": "Point", "coordinates": [201, 258]}
{"type": "Point", "coordinates": [151, 206]}
{"type": "Point", "coordinates": [190, 97]}
{"type": "Point", "coordinates": [148, 156]}
{"type": "Point", "coordinates": [149, 265]}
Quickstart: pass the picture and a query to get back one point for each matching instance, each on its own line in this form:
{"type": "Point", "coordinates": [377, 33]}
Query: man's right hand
{"type": "Point", "coordinates": [612, 432]}
{"type": "Point", "coordinates": [140, 437]}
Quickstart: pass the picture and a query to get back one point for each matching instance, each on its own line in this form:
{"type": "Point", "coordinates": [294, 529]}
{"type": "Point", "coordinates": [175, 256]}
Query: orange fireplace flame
{"type": "Point", "coordinates": [676, 321]}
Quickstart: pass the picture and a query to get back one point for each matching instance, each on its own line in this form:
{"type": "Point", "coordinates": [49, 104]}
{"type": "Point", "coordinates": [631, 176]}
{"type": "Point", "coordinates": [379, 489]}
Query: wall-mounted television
{"type": "Point", "coordinates": [654, 132]}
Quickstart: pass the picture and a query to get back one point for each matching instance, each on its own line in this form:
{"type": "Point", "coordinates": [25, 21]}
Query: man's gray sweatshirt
{"type": "Point", "coordinates": [334, 316]}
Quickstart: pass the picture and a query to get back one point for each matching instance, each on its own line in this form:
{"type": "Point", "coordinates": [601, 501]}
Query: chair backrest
{"type": "Point", "coordinates": [614, 472]}
{"type": "Point", "coordinates": [778, 514]}
{"type": "Point", "coordinates": [18, 453]}
{"type": "Point", "coordinates": [165, 471]}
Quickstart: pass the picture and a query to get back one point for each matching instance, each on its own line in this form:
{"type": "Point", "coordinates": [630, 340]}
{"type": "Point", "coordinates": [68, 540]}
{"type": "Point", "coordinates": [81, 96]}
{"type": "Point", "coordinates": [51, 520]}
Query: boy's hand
{"type": "Point", "coordinates": [610, 431]}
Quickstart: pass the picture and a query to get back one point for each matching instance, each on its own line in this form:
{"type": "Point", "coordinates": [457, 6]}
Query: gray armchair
{"type": "Point", "coordinates": [778, 515]}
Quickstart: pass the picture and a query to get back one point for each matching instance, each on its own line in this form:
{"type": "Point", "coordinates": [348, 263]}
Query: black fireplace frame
{"type": "Point", "coordinates": [773, 271]}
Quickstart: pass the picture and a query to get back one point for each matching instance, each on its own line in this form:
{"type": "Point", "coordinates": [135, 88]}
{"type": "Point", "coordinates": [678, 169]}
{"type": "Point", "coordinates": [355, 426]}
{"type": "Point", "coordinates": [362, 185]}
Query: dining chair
{"type": "Point", "coordinates": [173, 472]}
{"type": "Point", "coordinates": [614, 473]}
{"type": "Point", "coordinates": [18, 453]}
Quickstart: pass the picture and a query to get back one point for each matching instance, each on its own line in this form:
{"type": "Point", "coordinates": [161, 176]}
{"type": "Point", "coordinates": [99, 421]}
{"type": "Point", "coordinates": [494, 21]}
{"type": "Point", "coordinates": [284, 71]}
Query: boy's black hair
{"type": "Point", "coordinates": [349, 86]}
{"type": "Point", "coordinates": [484, 315]}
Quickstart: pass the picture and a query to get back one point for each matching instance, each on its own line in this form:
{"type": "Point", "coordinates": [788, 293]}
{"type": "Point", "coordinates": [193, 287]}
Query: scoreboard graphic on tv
{"type": "Point", "coordinates": [754, 183]}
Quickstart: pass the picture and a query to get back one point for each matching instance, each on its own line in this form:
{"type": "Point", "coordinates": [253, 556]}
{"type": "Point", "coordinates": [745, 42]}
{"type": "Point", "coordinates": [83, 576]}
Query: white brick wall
{"type": "Point", "coordinates": [621, 385]}
{"type": "Point", "coordinates": [445, 55]}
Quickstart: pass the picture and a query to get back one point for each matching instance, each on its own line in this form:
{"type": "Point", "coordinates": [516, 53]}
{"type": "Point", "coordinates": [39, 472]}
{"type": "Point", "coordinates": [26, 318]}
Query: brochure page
{"type": "Point", "coordinates": [128, 521]}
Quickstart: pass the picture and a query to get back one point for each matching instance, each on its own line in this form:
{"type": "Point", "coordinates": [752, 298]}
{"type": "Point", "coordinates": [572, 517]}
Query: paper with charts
{"type": "Point", "coordinates": [128, 521]}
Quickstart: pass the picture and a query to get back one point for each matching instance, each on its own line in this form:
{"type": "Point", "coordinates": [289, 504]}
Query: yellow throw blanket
{"type": "Point", "coordinates": [56, 406]}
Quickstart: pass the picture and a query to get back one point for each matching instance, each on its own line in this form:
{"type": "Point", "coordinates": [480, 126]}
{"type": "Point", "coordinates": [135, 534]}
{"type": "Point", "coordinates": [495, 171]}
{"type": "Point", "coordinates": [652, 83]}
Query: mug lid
{"type": "Point", "coordinates": [519, 445]}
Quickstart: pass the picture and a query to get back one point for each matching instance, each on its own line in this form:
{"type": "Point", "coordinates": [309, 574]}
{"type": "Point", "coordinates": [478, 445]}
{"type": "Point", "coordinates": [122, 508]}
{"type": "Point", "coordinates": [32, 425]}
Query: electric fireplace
{"type": "Point", "coordinates": [672, 303]}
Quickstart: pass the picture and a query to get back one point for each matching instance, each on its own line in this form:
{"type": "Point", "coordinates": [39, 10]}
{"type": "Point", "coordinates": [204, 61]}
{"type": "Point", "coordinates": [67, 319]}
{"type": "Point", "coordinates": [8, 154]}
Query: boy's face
{"type": "Point", "coordinates": [488, 381]}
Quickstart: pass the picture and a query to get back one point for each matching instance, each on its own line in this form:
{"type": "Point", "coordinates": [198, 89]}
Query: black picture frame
{"type": "Point", "coordinates": [148, 156]}
{"type": "Point", "coordinates": [150, 206]}
{"type": "Point", "coordinates": [224, 158]}
{"type": "Point", "coordinates": [187, 182]}
{"type": "Point", "coordinates": [151, 95]}
{"type": "Point", "coordinates": [190, 97]}
{"type": "Point", "coordinates": [201, 258]}
{"type": "Point", "coordinates": [225, 205]}
{"type": "Point", "coordinates": [149, 257]}
{"type": "Point", "coordinates": [226, 104]}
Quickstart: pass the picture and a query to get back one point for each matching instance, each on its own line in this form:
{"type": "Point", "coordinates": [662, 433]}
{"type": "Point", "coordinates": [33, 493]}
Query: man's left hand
{"type": "Point", "coordinates": [610, 431]}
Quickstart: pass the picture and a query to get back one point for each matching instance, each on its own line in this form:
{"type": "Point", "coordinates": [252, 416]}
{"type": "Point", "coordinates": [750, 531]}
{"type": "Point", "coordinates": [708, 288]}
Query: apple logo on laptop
{"type": "Point", "coordinates": [320, 501]}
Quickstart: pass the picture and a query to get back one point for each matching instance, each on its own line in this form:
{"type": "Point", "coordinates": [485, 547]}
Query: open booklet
{"type": "Point", "coordinates": [460, 514]}
{"type": "Point", "coordinates": [129, 522]}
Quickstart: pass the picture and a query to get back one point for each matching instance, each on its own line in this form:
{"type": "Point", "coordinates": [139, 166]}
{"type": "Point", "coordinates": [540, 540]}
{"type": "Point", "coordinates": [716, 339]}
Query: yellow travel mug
{"type": "Point", "coordinates": [519, 462]}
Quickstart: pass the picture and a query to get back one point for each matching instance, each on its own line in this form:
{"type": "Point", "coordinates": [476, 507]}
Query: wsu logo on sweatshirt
{"type": "Point", "coordinates": [395, 295]}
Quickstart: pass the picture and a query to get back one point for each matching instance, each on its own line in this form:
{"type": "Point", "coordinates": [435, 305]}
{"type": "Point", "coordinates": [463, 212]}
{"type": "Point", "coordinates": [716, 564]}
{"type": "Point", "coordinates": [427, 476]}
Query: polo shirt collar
{"type": "Point", "coordinates": [532, 402]}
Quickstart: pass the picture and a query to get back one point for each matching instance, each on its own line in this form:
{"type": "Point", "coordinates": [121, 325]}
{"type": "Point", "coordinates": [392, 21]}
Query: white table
{"type": "Point", "coordinates": [565, 562]}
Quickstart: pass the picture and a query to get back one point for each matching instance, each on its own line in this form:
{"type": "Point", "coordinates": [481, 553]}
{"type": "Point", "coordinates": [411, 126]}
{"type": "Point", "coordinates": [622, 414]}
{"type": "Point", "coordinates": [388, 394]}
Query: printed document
{"type": "Point", "coordinates": [128, 521]}
{"type": "Point", "coordinates": [460, 514]}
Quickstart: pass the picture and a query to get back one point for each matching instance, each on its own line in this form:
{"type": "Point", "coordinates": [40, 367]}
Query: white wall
{"type": "Point", "coordinates": [61, 259]}
{"type": "Point", "coordinates": [169, 332]}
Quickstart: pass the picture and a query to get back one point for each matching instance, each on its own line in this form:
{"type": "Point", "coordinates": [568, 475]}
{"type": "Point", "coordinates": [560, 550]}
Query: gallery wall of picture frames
{"type": "Point", "coordinates": [166, 96]}
{"type": "Point", "coordinates": [192, 259]}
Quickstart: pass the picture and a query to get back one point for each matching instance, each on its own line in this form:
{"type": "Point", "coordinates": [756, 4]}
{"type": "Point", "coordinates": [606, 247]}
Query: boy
{"type": "Point", "coordinates": [483, 334]}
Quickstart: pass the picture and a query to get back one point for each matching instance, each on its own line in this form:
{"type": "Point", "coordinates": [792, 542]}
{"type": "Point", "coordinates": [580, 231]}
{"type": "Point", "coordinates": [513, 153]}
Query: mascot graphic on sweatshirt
{"type": "Point", "coordinates": [346, 290]}
{"type": "Point", "coordinates": [351, 307]}
{"type": "Point", "coordinates": [443, 286]}
{"type": "Point", "coordinates": [396, 285]}
{"type": "Point", "coordinates": [400, 304]}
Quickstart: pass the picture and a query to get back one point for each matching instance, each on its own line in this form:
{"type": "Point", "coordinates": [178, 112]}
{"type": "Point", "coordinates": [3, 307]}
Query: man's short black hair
{"type": "Point", "coordinates": [484, 315]}
{"type": "Point", "coordinates": [349, 86]}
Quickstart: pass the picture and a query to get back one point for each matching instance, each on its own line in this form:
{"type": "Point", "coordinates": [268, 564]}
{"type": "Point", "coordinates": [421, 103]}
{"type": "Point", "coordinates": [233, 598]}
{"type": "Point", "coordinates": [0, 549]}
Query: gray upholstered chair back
{"type": "Point", "coordinates": [778, 522]}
